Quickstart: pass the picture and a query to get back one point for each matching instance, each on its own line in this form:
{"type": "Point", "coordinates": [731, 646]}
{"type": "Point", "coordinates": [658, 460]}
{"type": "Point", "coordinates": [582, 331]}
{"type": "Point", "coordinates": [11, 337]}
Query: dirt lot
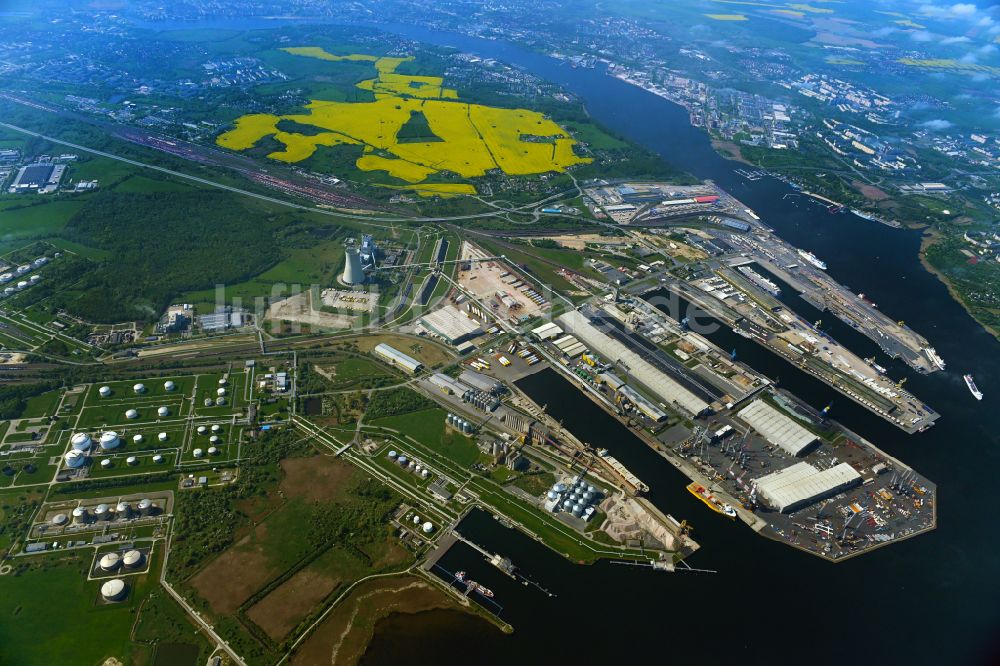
{"type": "Point", "coordinates": [343, 636]}
{"type": "Point", "coordinates": [484, 281]}
{"type": "Point", "coordinates": [299, 309]}
{"type": "Point", "coordinates": [870, 192]}
{"type": "Point", "coordinates": [282, 610]}
{"type": "Point", "coordinates": [317, 478]}
{"type": "Point", "coordinates": [579, 241]}
{"type": "Point", "coordinates": [234, 576]}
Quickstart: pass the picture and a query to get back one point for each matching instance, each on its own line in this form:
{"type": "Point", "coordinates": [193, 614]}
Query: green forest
{"type": "Point", "coordinates": [160, 244]}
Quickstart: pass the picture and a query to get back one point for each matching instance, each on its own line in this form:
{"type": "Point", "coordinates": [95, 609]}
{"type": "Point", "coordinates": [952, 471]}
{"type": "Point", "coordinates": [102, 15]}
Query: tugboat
{"type": "Point", "coordinates": [972, 387]}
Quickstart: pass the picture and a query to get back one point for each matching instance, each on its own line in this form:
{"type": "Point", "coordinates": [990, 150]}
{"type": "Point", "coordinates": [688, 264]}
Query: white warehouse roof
{"type": "Point", "coordinates": [777, 427]}
{"type": "Point", "coordinates": [451, 324]}
{"type": "Point", "coordinates": [802, 484]}
{"type": "Point", "coordinates": [447, 384]}
{"type": "Point", "coordinates": [547, 331]}
{"type": "Point", "coordinates": [396, 357]}
{"type": "Point", "coordinates": [647, 374]}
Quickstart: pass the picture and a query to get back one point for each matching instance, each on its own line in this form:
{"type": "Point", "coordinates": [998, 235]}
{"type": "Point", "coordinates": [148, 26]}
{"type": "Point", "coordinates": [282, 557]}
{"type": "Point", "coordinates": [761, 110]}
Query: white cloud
{"type": "Point", "coordinates": [936, 125]}
{"type": "Point", "coordinates": [921, 36]}
{"type": "Point", "coordinates": [955, 40]}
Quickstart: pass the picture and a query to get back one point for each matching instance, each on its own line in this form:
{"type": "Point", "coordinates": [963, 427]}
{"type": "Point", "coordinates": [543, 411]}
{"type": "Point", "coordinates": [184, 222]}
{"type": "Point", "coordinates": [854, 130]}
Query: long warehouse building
{"type": "Point", "coordinates": [777, 427]}
{"type": "Point", "coordinates": [397, 358]}
{"type": "Point", "coordinates": [644, 372]}
{"type": "Point", "coordinates": [802, 484]}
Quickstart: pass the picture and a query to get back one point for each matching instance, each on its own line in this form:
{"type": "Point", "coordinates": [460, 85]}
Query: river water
{"type": "Point", "coordinates": [929, 600]}
{"type": "Point", "coordinates": [932, 599]}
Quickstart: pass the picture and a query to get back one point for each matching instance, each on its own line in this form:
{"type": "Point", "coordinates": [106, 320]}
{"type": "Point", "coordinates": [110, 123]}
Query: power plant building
{"type": "Point", "coordinates": [777, 427]}
{"type": "Point", "coordinates": [802, 484]}
{"type": "Point", "coordinates": [659, 383]}
{"type": "Point", "coordinates": [397, 358]}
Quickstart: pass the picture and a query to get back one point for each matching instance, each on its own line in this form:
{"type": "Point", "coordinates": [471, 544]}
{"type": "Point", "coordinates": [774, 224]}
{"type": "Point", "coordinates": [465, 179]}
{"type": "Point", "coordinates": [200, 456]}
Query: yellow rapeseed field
{"type": "Point", "coordinates": [474, 139]}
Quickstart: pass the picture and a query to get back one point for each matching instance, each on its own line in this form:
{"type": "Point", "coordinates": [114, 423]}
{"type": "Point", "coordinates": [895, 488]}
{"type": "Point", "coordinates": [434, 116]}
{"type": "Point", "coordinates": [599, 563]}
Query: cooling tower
{"type": "Point", "coordinates": [353, 274]}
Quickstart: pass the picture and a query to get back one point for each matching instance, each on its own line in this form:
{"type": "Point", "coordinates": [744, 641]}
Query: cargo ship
{"type": "Point", "coordinates": [473, 586]}
{"type": "Point", "coordinates": [972, 387]}
{"type": "Point", "coordinates": [713, 502]}
{"type": "Point", "coordinates": [932, 355]}
{"type": "Point", "coordinates": [813, 259]}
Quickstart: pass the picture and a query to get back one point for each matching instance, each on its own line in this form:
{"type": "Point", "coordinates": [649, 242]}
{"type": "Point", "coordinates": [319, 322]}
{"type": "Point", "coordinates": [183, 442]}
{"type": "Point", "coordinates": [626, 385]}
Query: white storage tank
{"type": "Point", "coordinates": [428, 527]}
{"type": "Point", "coordinates": [162, 411]}
{"type": "Point", "coordinates": [110, 561]}
{"type": "Point", "coordinates": [131, 414]}
{"type": "Point", "coordinates": [113, 590]}
{"type": "Point", "coordinates": [132, 559]}
{"type": "Point", "coordinates": [106, 463]}
{"type": "Point", "coordinates": [145, 506]}
{"type": "Point", "coordinates": [139, 388]}
{"type": "Point", "coordinates": [198, 453]}
{"type": "Point", "coordinates": [162, 437]}
{"type": "Point", "coordinates": [81, 441]}
{"type": "Point", "coordinates": [137, 439]}
{"type": "Point", "coordinates": [132, 461]}
{"type": "Point", "coordinates": [416, 520]}
{"type": "Point", "coordinates": [216, 428]}
{"type": "Point", "coordinates": [60, 519]}
{"type": "Point", "coordinates": [123, 510]}
{"type": "Point", "coordinates": [104, 391]}
{"type": "Point", "coordinates": [392, 455]}
{"type": "Point", "coordinates": [213, 451]}
{"type": "Point", "coordinates": [75, 459]}
{"type": "Point", "coordinates": [157, 459]}
{"type": "Point", "coordinates": [220, 401]}
{"type": "Point", "coordinates": [220, 391]}
{"type": "Point", "coordinates": [202, 430]}
{"type": "Point", "coordinates": [223, 381]}
{"type": "Point", "coordinates": [169, 386]}
{"type": "Point", "coordinates": [110, 440]}
{"type": "Point", "coordinates": [213, 439]}
{"type": "Point", "coordinates": [209, 402]}
{"type": "Point", "coordinates": [426, 473]}
{"type": "Point", "coordinates": [80, 515]}
{"type": "Point", "coordinates": [101, 512]}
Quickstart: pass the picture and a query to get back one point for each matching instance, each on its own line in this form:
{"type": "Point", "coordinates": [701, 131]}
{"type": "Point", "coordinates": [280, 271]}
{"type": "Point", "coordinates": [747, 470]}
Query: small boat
{"type": "Point", "coordinates": [972, 387]}
{"type": "Point", "coordinates": [473, 586]}
{"type": "Point", "coordinates": [710, 500]}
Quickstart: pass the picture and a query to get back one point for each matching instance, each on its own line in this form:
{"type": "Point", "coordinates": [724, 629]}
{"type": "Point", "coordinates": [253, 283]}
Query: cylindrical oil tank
{"type": "Point", "coordinates": [139, 388]}
{"type": "Point", "coordinates": [163, 411]}
{"type": "Point", "coordinates": [110, 561]}
{"type": "Point", "coordinates": [75, 459]}
{"type": "Point", "coordinates": [131, 414]}
{"type": "Point", "coordinates": [104, 391]}
{"type": "Point", "coordinates": [132, 559]}
{"type": "Point", "coordinates": [198, 453]}
{"type": "Point", "coordinates": [213, 451]}
{"type": "Point", "coordinates": [114, 590]}
{"type": "Point", "coordinates": [169, 386]}
{"type": "Point", "coordinates": [80, 515]}
{"type": "Point", "coordinates": [101, 512]}
{"type": "Point", "coordinates": [162, 437]}
{"type": "Point", "coordinates": [60, 519]}
{"type": "Point", "coordinates": [144, 506]}
{"type": "Point", "coordinates": [81, 441]}
{"type": "Point", "coordinates": [110, 440]}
